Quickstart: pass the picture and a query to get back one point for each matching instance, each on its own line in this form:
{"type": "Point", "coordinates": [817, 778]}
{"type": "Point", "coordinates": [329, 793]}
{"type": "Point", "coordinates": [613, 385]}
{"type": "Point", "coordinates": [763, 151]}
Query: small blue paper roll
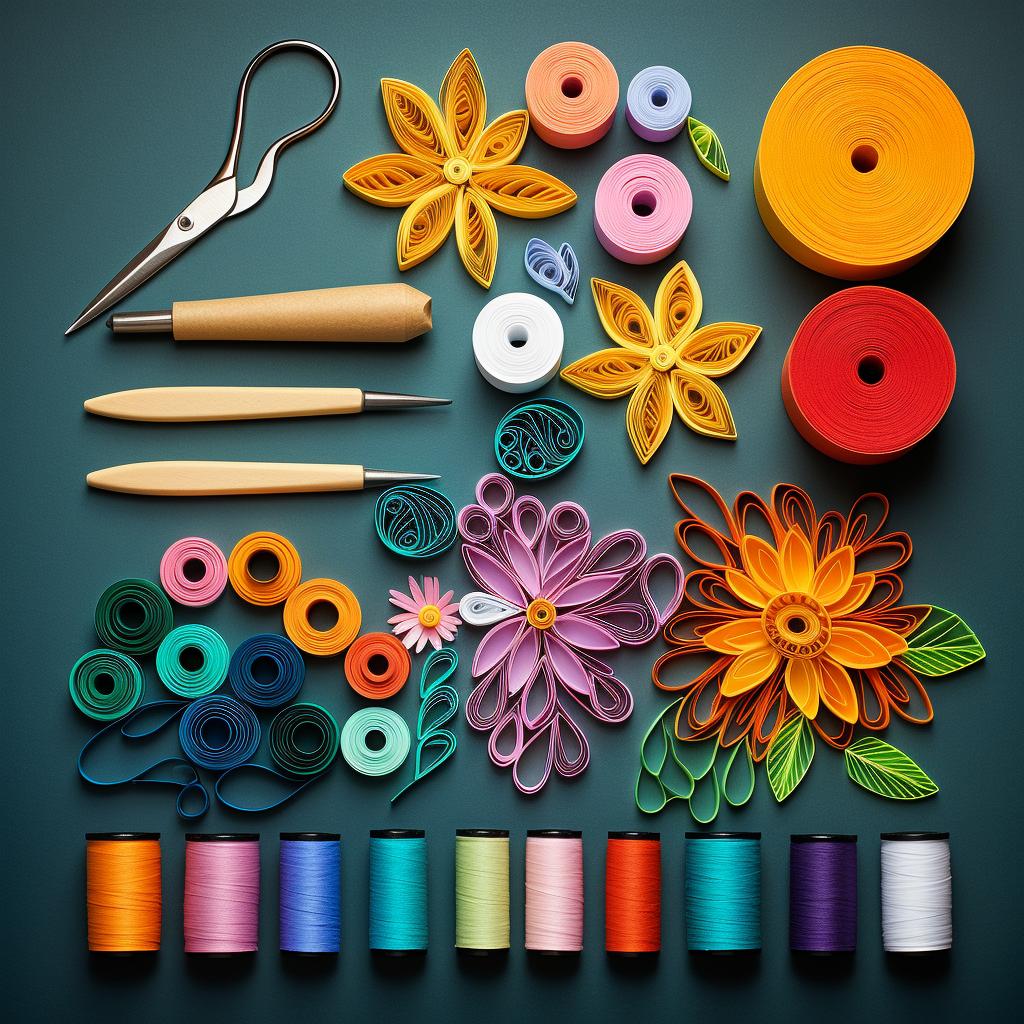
{"type": "Point", "coordinates": [657, 103]}
{"type": "Point", "coordinates": [557, 271]}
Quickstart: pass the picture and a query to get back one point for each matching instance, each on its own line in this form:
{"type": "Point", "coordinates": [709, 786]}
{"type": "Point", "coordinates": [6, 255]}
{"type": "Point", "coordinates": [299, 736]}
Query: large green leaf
{"type": "Point", "coordinates": [789, 756]}
{"type": "Point", "coordinates": [881, 768]}
{"type": "Point", "coordinates": [944, 643]}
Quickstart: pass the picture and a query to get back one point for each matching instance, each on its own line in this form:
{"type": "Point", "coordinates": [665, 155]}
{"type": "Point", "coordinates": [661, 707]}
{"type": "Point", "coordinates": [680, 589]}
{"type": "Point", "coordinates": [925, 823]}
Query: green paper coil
{"type": "Point", "coordinates": [364, 758]}
{"type": "Point", "coordinates": [292, 746]}
{"type": "Point", "coordinates": [415, 521]}
{"type": "Point", "coordinates": [539, 438]}
{"type": "Point", "coordinates": [133, 616]}
{"type": "Point", "coordinates": [105, 684]}
{"type": "Point", "coordinates": [192, 661]}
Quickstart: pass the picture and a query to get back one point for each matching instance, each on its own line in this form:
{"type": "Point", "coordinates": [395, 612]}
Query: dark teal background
{"type": "Point", "coordinates": [116, 115]}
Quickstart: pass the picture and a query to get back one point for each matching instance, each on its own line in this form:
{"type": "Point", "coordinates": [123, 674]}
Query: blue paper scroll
{"type": "Point", "coordinates": [557, 271]}
{"type": "Point", "coordinates": [539, 438]}
{"type": "Point", "coordinates": [415, 521]}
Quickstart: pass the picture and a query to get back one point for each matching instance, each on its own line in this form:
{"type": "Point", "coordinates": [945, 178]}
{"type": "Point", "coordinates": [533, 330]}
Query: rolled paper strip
{"type": "Point", "coordinates": [122, 872]}
{"type": "Point", "coordinates": [390, 730]}
{"type": "Point", "coordinates": [304, 634]}
{"type": "Point", "coordinates": [537, 439]}
{"type": "Point", "coordinates": [105, 685]}
{"type": "Point", "coordinates": [517, 342]}
{"type": "Point", "coordinates": [642, 208]}
{"type": "Point", "coordinates": [304, 739]}
{"type": "Point", "coordinates": [415, 521]}
{"type": "Point", "coordinates": [557, 271]}
{"type": "Point", "coordinates": [133, 616]}
{"type": "Point", "coordinates": [194, 572]}
{"type": "Point", "coordinates": [218, 732]}
{"type": "Point", "coordinates": [377, 666]}
{"type": "Point", "coordinates": [572, 92]}
{"type": "Point", "coordinates": [192, 661]}
{"type": "Point", "coordinates": [657, 102]}
{"type": "Point", "coordinates": [480, 609]}
{"type": "Point", "coordinates": [865, 161]}
{"type": "Point", "coordinates": [870, 373]}
{"type": "Point", "coordinates": [284, 579]}
{"type": "Point", "coordinates": [709, 150]}
{"type": "Point", "coordinates": [266, 670]}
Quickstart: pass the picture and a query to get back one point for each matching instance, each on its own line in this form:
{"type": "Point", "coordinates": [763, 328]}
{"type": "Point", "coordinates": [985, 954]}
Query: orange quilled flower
{"type": "Point", "coordinates": [453, 170]}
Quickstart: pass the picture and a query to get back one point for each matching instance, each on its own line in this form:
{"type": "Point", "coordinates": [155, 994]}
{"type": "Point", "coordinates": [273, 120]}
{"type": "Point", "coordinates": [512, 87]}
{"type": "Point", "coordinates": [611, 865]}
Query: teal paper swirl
{"type": "Point", "coordinates": [415, 521]}
{"type": "Point", "coordinates": [539, 438]}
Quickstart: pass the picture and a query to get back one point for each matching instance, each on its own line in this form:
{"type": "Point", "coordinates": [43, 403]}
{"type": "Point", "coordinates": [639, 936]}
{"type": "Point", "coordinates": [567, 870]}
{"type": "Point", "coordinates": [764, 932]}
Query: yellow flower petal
{"type": "Point", "coordinates": [859, 591]}
{"type": "Point", "coordinates": [392, 179]}
{"type": "Point", "coordinates": [677, 306]}
{"type": "Point", "coordinates": [610, 373]}
{"type": "Point", "coordinates": [701, 405]}
{"type": "Point", "coordinates": [797, 561]}
{"type": "Point", "coordinates": [477, 235]}
{"type": "Point", "coordinates": [803, 679]}
{"type": "Point", "coordinates": [749, 670]}
{"type": "Point", "coordinates": [833, 576]}
{"type": "Point", "coordinates": [524, 191]}
{"type": "Point", "coordinates": [837, 690]}
{"type": "Point", "coordinates": [888, 638]}
{"type": "Point", "coordinates": [717, 349]}
{"type": "Point", "coordinates": [501, 142]}
{"type": "Point", "coordinates": [737, 636]}
{"type": "Point", "coordinates": [855, 646]}
{"type": "Point", "coordinates": [425, 225]}
{"type": "Point", "coordinates": [415, 121]}
{"type": "Point", "coordinates": [464, 101]}
{"type": "Point", "coordinates": [624, 315]}
{"type": "Point", "coordinates": [649, 415]}
{"type": "Point", "coordinates": [745, 588]}
{"type": "Point", "coordinates": [761, 562]}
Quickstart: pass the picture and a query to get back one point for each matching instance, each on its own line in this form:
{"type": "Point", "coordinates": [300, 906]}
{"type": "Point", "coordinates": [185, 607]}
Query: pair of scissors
{"type": "Point", "coordinates": [222, 198]}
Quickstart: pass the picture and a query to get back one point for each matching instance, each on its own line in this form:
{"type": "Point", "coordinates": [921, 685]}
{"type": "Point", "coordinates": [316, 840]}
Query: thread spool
{"type": "Point", "coordinates": [283, 568]}
{"type": "Point", "coordinates": [266, 670]}
{"type": "Point", "coordinates": [123, 892]}
{"type": "Point", "coordinates": [309, 907]}
{"type": "Point", "coordinates": [398, 892]}
{"type": "Point", "coordinates": [222, 893]}
{"type": "Point", "coordinates": [133, 616]}
{"type": "Point", "coordinates": [517, 342]}
{"type": "Point", "coordinates": [194, 572]}
{"type": "Point", "coordinates": [377, 665]}
{"type": "Point", "coordinates": [308, 637]}
{"type": "Point", "coordinates": [482, 891]}
{"type": "Point", "coordinates": [823, 894]}
{"type": "Point", "coordinates": [723, 892]}
{"type": "Point", "coordinates": [657, 103]}
{"type": "Point", "coordinates": [218, 732]}
{"type": "Point", "coordinates": [192, 661]}
{"type": "Point", "coordinates": [105, 685]}
{"type": "Point", "coordinates": [917, 893]}
{"type": "Point", "coordinates": [554, 892]}
{"type": "Point", "coordinates": [632, 894]}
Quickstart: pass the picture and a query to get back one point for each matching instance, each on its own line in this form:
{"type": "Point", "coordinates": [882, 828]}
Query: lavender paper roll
{"type": "Point", "coordinates": [657, 102]}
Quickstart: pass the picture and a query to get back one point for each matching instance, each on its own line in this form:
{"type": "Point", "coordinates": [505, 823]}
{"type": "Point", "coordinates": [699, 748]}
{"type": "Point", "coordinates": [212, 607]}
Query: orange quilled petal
{"type": "Point", "coordinates": [677, 306]}
{"type": "Point", "coordinates": [463, 101]}
{"type": "Point", "coordinates": [855, 647]}
{"type": "Point", "coordinates": [761, 562]}
{"type": "Point", "coordinates": [610, 373]}
{"type": "Point", "coordinates": [803, 680]}
{"type": "Point", "coordinates": [624, 315]}
{"type": "Point", "coordinates": [743, 634]}
{"type": "Point", "coordinates": [749, 670]}
{"type": "Point", "coordinates": [833, 576]}
{"type": "Point", "coordinates": [415, 121]}
{"type": "Point", "coordinates": [859, 591]}
{"type": "Point", "coordinates": [717, 349]}
{"type": "Point", "coordinates": [837, 690]}
{"type": "Point", "coordinates": [797, 561]}
{"type": "Point", "coordinates": [425, 225]}
{"type": "Point", "coordinates": [392, 179]}
{"type": "Point", "coordinates": [888, 638]}
{"type": "Point", "coordinates": [477, 235]}
{"type": "Point", "coordinates": [649, 415]}
{"type": "Point", "coordinates": [501, 142]}
{"type": "Point", "coordinates": [701, 405]}
{"type": "Point", "coordinates": [745, 588]}
{"type": "Point", "coordinates": [524, 191]}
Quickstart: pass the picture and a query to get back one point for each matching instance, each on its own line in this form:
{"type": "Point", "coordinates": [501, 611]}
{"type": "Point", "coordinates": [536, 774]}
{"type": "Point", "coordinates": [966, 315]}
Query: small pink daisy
{"type": "Point", "coordinates": [428, 616]}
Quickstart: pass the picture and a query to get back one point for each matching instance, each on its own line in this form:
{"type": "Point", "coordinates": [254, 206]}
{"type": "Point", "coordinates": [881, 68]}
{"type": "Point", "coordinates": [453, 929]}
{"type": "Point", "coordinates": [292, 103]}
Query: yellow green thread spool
{"type": "Point", "coordinates": [481, 891]}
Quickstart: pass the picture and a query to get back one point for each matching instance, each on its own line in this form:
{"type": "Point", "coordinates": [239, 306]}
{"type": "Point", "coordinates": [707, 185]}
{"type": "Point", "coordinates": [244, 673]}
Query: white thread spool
{"type": "Point", "coordinates": [917, 892]}
{"type": "Point", "coordinates": [517, 342]}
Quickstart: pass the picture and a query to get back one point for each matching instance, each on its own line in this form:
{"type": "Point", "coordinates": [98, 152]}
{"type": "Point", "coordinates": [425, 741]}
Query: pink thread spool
{"type": "Point", "coordinates": [554, 892]}
{"type": "Point", "coordinates": [222, 893]}
{"type": "Point", "coordinates": [194, 572]}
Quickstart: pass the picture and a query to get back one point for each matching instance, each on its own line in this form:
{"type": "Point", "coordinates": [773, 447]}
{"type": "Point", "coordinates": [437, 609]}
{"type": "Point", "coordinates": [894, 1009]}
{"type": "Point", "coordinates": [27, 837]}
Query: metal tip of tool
{"type": "Point", "coordinates": [385, 478]}
{"type": "Point", "coordinates": [83, 319]}
{"type": "Point", "coordinates": [379, 400]}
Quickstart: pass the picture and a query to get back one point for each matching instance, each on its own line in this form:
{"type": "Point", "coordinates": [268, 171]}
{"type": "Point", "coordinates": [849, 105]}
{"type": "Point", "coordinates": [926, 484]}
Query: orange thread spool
{"type": "Point", "coordinates": [632, 893]}
{"type": "Point", "coordinates": [377, 666]}
{"type": "Point", "coordinates": [270, 591]}
{"type": "Point", "coordinates": [123, 895]}
{"type": "Point", "coordinates": [304, 634]}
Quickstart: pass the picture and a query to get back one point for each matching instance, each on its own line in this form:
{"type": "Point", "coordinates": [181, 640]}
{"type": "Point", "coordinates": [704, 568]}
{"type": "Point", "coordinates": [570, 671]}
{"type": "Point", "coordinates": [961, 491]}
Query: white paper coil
{"type": "Point", "coordinates": [517, 342]}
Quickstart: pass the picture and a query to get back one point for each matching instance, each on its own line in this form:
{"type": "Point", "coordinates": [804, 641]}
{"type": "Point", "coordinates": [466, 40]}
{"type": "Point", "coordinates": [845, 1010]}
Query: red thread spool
{"type": "Point", "coordinates": [632, 893]}
{"type": "Point", "coordinates": [870, 374]}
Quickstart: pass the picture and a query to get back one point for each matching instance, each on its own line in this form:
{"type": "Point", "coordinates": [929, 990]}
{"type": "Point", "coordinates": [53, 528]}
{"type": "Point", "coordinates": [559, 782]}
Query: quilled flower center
{"type": "Point", "coordinates": [797, 625]}
{"type": "Point", "coordinates": [663, 357]}
{"type": "Point", "coordinates": [430, 616]}
{"type": "Point", "coordinates": [457, 170]}
{"type": "Point", "coordinates": [541, 614]}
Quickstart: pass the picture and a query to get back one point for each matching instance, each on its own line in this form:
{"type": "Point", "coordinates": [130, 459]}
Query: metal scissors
{"type": "Point", "coordinates": [222, 198]}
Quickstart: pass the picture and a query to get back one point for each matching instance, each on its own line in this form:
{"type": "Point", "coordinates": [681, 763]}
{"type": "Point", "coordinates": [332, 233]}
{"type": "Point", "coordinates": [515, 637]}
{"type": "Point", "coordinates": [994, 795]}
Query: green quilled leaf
{"type": "Point", "coordinates": [709, 149]}
{"type": "Point", "coordinates": [881, 768]}
{"type": "Point", "coordinates": [944, 643]}
{"type": "Point", "coordinates": [789, 756]}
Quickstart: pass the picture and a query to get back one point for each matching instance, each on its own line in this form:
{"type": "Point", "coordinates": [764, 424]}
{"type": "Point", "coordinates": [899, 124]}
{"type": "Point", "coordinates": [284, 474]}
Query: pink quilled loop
{"type": "Point", "coordinates": [495, 493]}
{"type": "Point", "coordinates": [210, 580]}
{"type": "Point", "coordinates": [492, 688]}
{"type": "Point", "coordinates": [476, 524]}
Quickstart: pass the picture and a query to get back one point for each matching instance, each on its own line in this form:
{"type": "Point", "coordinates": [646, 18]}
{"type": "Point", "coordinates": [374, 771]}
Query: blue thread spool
{"type": "Point", "coordinates": [398, 892]}
{"type": "Point", "coordinates": [723, 892]}
{"type": "Point", "coordinates": [310, 893]}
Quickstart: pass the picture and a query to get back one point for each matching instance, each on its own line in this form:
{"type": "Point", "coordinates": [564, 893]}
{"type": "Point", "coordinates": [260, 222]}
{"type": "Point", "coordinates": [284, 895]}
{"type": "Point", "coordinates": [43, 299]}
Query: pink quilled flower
{"type": "Point", "coordinates": [428, 616]}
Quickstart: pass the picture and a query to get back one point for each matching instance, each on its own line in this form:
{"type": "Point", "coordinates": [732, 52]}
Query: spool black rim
{"type": "Point", "coordinates": [222, 837]}
{"type": "Point", "coordinates": [656, 836]}
{"type": "Point", "coordinates": [122, 837]}
{"type": "Point", "coordinates": [822, 837]}
{"type": "Point", "coordinates": [554, 833]}
{"type": "Point", "coordinates": [311, 837]}
{"type": "Point", "coordinates": [483, 833]}
{"type": "Point", "coordinates": [723, 835]}
{"type": "Point", "coordinates": [397, 833]}
{"type": "Point", "coordinates": [912, 837]}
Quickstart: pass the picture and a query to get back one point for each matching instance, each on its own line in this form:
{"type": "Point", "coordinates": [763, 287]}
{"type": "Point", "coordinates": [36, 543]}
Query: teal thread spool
{"type": "Point", "coordinates": [723, 892]}
{"type": "Point", "coordinates": [398, 892]}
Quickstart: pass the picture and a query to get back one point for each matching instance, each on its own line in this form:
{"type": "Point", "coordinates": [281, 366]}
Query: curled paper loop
{"type": "Point", "coordinates": [557, 271]}
{"type": "Point", "coordinates": [192, 660]}
{"type": "Point", "coordinates": [642, 208]}
{"type": "Point", "coordinates": [322, 642]}
{"type": "Point", "coordinates": [708, 148]}
{"type": "Point", "coordinates": [865, 161]}
{"type": "Point", "coordinates": [377, 665]}
{"type": "Point", "coordinates": [133, 616]}
{"type": "Point", "coordinates": [572, 92]}
{"type": "Point", "coordinates": [415, 521]}
{"type": "Point", "coordinates": [291, 788]}
{"type": "Point", "coordinates": [517, 342]}
{"type": "Point", "coordinates": [657, 102]}
{"type": "Point", "coordinates": [275, 589]}
{"type": "Point", "coordinates": [480, 609]}
{"type": "Point", "coordinates": [105, 685]}
{"type": "Point", "coordinates": [382, 760]}
{"type": "Point", "coordinates": [538, 439]}
{"type": "Point", "coordinates": [194, 572]}
{"type": "Point", "coordinates": [250, 660]}
{"type": "Point", "coordinates": [304, 739]}
{"type": "Point", "coordinates": [218, 732]}
{"type": "Point", "coordinates": [869, 374]}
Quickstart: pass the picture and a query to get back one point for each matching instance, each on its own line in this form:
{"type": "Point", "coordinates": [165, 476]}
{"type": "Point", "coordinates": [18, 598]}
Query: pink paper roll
{"type": "Point", "coordinates": [642, 207]}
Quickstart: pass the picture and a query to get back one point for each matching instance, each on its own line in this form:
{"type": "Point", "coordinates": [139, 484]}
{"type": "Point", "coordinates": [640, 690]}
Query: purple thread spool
{"type": "Point", "coordinates": [823, 894]}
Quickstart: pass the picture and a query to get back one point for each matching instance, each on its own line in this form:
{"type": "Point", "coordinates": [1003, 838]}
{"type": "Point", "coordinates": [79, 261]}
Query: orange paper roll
{"type": "Point", "coordinates": [377, 666]}
{"type": "Point", "coordinates": [304, 634]}
{"type": "Point", "coordinates": [572, 92]}
{"type": "Point", "coordinates": [865, 161]}
{"type": "Point", "coordinates": [276, 588]}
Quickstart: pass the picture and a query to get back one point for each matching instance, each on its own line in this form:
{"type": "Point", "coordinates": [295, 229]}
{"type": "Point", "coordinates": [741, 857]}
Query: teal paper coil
{"type": "Point", "coordinates": [398, 891]}
{"type": "Point", "coordinates": [415, 521]}
{"type": "Point", "coordinates": [133, 616]}
{"type": "Point", "coordinates": [723, 891]}
{"type": "Point", "coordinates": [539, 438]}
{"type": "Point", "coordinates": [395, 741]}
{"type": "Point", "coordinates": [105, 684]}
{"type": "Point", "coordinates": [192, 661]}
{"type": "Point", "coordinates": [304, 739]}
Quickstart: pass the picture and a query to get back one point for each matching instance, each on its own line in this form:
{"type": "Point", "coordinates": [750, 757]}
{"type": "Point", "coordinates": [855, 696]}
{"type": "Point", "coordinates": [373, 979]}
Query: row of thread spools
{"type": "Point", "coordinates": [722, 892]}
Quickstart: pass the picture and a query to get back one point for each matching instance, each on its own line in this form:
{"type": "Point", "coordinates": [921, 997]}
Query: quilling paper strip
{"type": "Point", "coordinates": [264, 592]}
{"type": "Point", "coordinates": [133, 616]}
{"type": "Point", "coordinates": [572, 93]}
{"type": "Point", "coordinates": [377, 665]}
{"type": "Point", "coordinates": [642, 208]}
{"type": "Point", "coordinates": [870, 373]}
{"type": "Point", "coordinates": [559, 271]}
{"type": "Point", "coordinates": [382, 760]}
{"type": "Point", "coordinates": [539, 438]}
{"type": "Point", "coordinates": [179, 577]}
{"type": "Point", "coordinates": [657, 102]}
{"type": "Point", "coordinates": [105, 685]}
{"type": "Point", "coordinates": [306, 636]}
{"type": "Point", "coordinates": [517, 342]}
{"type": "Point", "coordinates": [276, 687]}
{"type": "Point", "coordinates": [192, 660]}
{"type": "Point", "coordinates": [707, 147]}
{"type": "Point", "coordinates": [865, 161]}
{"type": "Point", "coordinates": [415, 521]}
{"type": "Point", "coordinates": [218, 732]}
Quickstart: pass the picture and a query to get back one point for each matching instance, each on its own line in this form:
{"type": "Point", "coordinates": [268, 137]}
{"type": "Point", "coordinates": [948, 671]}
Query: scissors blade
{"type": "Point", "coordinates": [206, 210]}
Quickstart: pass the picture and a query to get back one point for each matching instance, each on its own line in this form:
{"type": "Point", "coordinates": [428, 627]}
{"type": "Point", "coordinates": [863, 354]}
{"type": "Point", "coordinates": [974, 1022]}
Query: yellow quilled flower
{"type": "Point", "coordinates": [453, 170]}
{"type": "Point", "coordinates": [664, 360]}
